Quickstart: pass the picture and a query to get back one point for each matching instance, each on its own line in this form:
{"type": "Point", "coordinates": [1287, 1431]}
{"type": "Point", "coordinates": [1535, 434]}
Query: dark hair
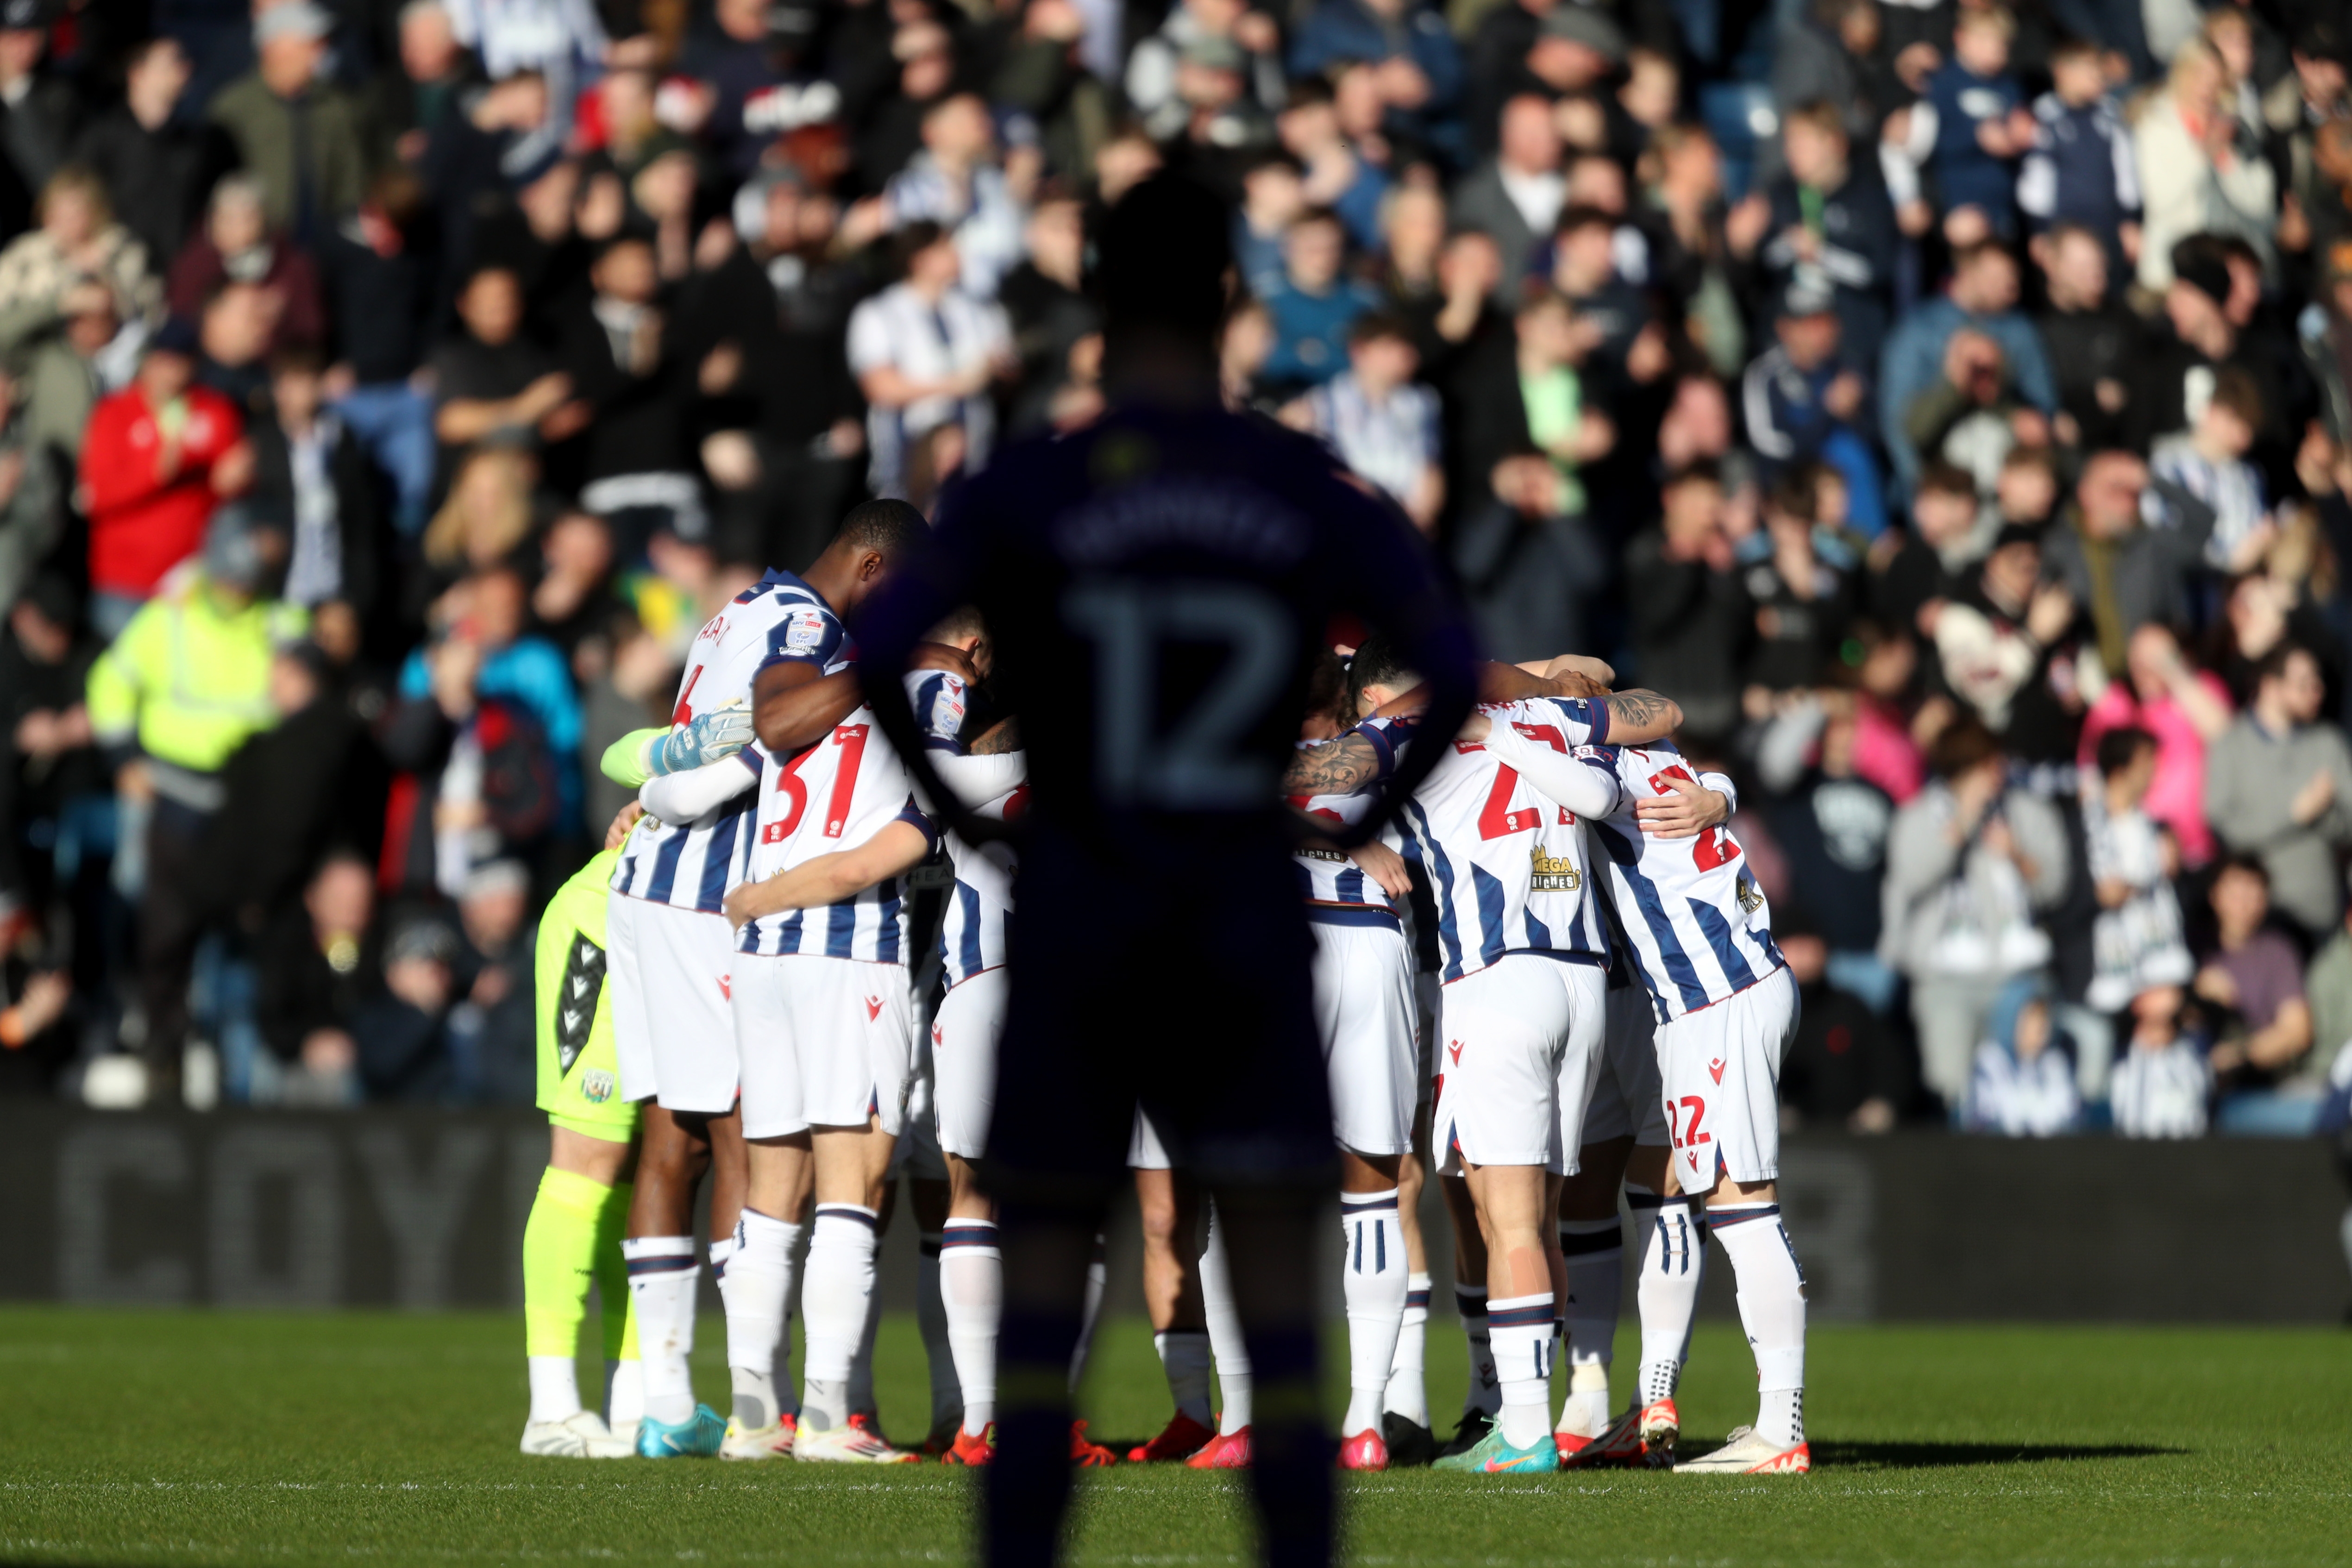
{"type": "Point", "coordinates": [1965, 744]}
{"type": "Point", "coordinates": [299, 359]}
{"type": "Point", "coordinates": [1698, 470]}
{"type": "Point", "coordinates": [2252, 865]}
{"type": "Point", "coordinates": [1374, 324]}
{"type": "Point", "coordinates": [2273, 665]}
{"type": "Point", "coordinates": [1376, 664]}
{"type": "Point", "coordinates": [1796, 493]}
{"type": "Point", "coordinates": [2238, 393]}
{"type": "Point", "coordinates": [2073, 49]}
{"type": "Point", "coordinates": [912, 241]}
{"type": "Point", "coordinates": [1165, 252]}
{"type": "Point", "coordinates": [964, 621]}
{"type": "Point", "coordinates": [2119, 746]}
{"type": "Point", "coordinates": [889, 527]}
{"type": "Point", "coordinates": [1583, 215]}
{"type": "Point", "coordinates": [1329, 693]}
{"type": "Point", "coordinates": [1947, 479]}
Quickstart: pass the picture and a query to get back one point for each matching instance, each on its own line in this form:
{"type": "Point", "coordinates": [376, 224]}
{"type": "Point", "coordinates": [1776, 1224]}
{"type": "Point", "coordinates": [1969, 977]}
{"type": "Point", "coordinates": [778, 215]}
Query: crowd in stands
{"type": "Point", "coordinates": [1949, 403]}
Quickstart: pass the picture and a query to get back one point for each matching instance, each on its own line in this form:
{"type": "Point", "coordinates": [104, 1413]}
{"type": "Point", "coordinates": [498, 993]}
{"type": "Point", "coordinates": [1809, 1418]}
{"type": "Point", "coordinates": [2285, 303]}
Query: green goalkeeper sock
{"type": "Point", "coordinates": [560, 1260]}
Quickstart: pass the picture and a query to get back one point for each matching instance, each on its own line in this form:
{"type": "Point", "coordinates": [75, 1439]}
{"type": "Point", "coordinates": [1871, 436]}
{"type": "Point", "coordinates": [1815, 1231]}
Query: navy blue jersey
{"type": "Point", "coordinates": [1158, 587]}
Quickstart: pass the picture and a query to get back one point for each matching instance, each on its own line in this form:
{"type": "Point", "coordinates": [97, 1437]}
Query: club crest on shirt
{"type": "Point", "coordinates": [596, 1085]}
{"type": "Point", "coordinates": [1751, 897]}
{"type": "Point", "coordinates": [1553, 873]}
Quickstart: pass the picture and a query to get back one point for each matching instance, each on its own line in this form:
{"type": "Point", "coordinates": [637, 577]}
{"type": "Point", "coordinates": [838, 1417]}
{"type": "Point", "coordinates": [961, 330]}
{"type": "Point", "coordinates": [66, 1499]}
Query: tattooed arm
{"type": "Point", "coordinates": [1003, 736]}
{"type": "Point", "coordinates": [1336, 767]}
{"type": "Point", "coordinates": [1637, 716]}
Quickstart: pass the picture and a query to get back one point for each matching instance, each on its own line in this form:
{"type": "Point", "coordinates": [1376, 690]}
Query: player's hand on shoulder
{"type": "Point", "coordinates": [1687, 809]}
{"type": "Point", "coordinates": [1593, 672]}
{"type": "Point", "coordinates": [623, 820]}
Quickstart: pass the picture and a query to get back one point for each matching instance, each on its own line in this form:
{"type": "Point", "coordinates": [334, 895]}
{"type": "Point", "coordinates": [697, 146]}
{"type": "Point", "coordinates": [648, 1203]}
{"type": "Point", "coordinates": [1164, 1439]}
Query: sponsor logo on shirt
{"type": "Point", "coordinates": [1553, 873]}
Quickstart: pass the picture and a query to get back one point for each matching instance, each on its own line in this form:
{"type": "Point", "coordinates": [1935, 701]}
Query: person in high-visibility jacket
{"type": "Point", "coordinates": [188, 682]}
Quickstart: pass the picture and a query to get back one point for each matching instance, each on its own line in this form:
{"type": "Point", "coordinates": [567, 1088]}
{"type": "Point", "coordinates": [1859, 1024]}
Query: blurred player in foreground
{"type": "Point", "coordinates": [1159, 586]}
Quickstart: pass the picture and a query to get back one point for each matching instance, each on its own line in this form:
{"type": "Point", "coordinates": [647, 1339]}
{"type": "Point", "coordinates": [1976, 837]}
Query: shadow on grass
{"type": "Point", "coordinates": [1941, 1456]}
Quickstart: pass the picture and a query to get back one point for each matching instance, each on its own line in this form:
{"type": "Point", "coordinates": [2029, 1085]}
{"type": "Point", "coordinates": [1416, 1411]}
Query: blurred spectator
{"type": "Point", "coordinates": [78, 241]}
{"type": "Point", "coordinates": [51, 772]}
{"type": "Point", "coordinates": [43, 110]}
{"type": "Point", "coordinates": [1690, 619]}
{"type": "Point", "coordinates": [60, 351]}
{"type": "Point", "coordinates": [1056, 330]}
{"type": "Point", "coordinates": [160, 456]}
{"type": "Point", "coordinates": [236, 245]}
{"type": "Point", "coordinates": [186, 683]}
{"type": "Point", "coordinates": [2209, 461]}
{"type": "Point", "coordinates": [1825, 226]}
{"type": "Point", "coordinates": [572, 600]}
{"type": "Point", "coordinates": [2278, 785]}
{"type": "Point", "coordinates": [1803, 592]}
{"type": "Point", "coordinates": [2161, 1083]}
{"type": "Point", "coordinates": [2093, 339]}
{"type": "Point", "coordinates": [155, 163]}
{"type": "Point", "coordinates": [311, 475]}
{"type": "Point", "coordinates": [379, 283]}
{"type": "Point", "coordinates": [2253, 978]}
{"type": "Point", "coordinates": [2024, 1085]}
{"type": "Point", "coordinates": [2200, 169]}
{"type": "Point", "coordinates": [1999, 642]}
{"type": "Point", "coordinates": [2327, 985]}
{"type": "Point", "coordinates": [1515, 196]}
{"type": "Point", "coordinates": [1948, 537]}
{"type": "Point", "coordinates": [1982, 297]}
{"type": "Point", "coordinates": [1801, 396]}
{"type": "Point", "coordinates": [1968, 863]}
{"type": "Point", "coordinates": [492, 379]}
{"type": "Point", "coordinates": [410, 97]}
{"type": "Point", "coordinates": [1336, 174]}
{"type": "Point", "coordinates": [400, 1034]}
{"type": "Point", "coordinates": [2124, 573]}
{"type": "Point", "coordinates": [1315, 304]}
{"type": "Point", "coordinates": [314, 970]}
{"type": "Point", "coordinates": [1983, 126]}
{"type": "Point", "coordinates": [2136, 940]}
{"type": "Point", "coordinates": [954, 182]}
{"type": "Point", "coordinates": [493, 1032]}
{"type": "Point", "coordinates": [1382, 425]}
{"type": "Point", "coordinates": [1156, 66]}
{"type": "Point", "coordinates": [626, 363]}
{"type": "Point", "coordinates": [32, 517]}
{"type": "Point", "coordinates": [1418, 64]}
{"type": "Point", "coordinates": [2083, 170]}
{"type": "Point", "coordinates": [301, 138]}
{"type": "Point", "coordinates": [926, 353]}
{"type": "Point", "coordinates": [2183, 711]}
{"type": "Point", "coordinates": [1832, 825]}
{"type": "Point", "coordinates": [1843, 1069]}
{"type": "Point", "coordinates": [562, 40]}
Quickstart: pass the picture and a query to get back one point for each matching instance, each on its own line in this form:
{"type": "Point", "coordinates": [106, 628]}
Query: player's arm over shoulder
{"type": "Point", "coordinates": [896, 847]}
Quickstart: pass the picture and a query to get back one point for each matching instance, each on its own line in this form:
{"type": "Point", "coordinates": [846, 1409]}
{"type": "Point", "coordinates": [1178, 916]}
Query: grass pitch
{"type": "Point", "coordinates": [234, 1438]}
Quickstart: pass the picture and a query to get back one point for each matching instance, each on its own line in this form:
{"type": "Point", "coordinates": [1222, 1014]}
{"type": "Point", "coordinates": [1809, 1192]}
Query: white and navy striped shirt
{"type": "Point", "coordinates": [1329, 877]}
{"type": "Point", "coordinates": [835, 796]}
{"type": "Point", "coordinates": [2159, 1092]}
{"type": "Point", "coordinates": [778, 619]}
{"type": "Point", "coordinates": [1506, 863]}
{"type": "Point", "coordinates": [1699, 926]}
{"type": "Point", "coordinates": [971, 927]}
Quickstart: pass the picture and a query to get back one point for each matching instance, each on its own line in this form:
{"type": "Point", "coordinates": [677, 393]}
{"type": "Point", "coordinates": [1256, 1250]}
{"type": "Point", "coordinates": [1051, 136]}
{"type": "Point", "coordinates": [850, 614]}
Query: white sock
{"type": "Point", "coordinates": [1772, 1310]}
{"type": "Point", "coordinates": [757, 1283]}
{"type": "Point", "coordinates": [663, 1275]}
{"type": "Point", "coordinates": [1595, 1251]}
{"type": "Point", "coordinates": [861, 1368]}
{"type": "Point", "coordinates": [1521, 1328]}
{"type": "Point", "coordinates": [1408, 1392]}
{"type": "Point", "coordinates": [624, 1393]}
{"type": "Point", "coordinates": [1673, 1262]}
{"type": "Point", "coordinates": [972, 1296]}
{"type": "Point", "coordinates": [1372, 1283]}
{"type": "Point", "coordinates": [1184, 1356]}
{"type": "Point", "coordinates": [837, 1290]}
{"type": "Point", "coordinates": [554, 1388]}
{"type": "Point", "coordinates": [1225, 1334]}
{"type": "Point", "coordinates": [932, 1317]}
{"type": "Point", "coordinates": [1097, 1281]}
{"type": "Point", "coordinates": [1482, 1396]}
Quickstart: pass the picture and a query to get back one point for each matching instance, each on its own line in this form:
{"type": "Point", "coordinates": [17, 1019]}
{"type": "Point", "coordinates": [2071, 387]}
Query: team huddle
{"type": "Point", "coordinates": [1551, 978]}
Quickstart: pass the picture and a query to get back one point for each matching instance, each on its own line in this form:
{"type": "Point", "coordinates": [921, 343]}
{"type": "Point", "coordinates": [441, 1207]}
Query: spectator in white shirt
{"type": "Point", "coordinates": [1381, 423]}
{"type": "Point", "coordinates": [2161, 1084]}
{"type": "Point", "coordinates": [2209, 461]}
{"type": "Point", "coordinates": [2024, 1086]}
{"type": "Point", "coordinates": [955, 182]}
{"type": "Point", "coordinates": [925, 354]}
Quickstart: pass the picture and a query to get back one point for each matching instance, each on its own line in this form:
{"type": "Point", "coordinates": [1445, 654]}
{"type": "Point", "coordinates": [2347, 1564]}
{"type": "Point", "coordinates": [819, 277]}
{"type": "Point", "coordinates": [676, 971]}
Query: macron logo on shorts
{"type": "Point", "coordinates": [1453, 1049]}
{"type": "Point", "coordinates": [873, 1008]}
{"type": "Point", "coordinates": [726, 989]}
{"type": "Point", "coordinates": [938, 1036]}
{"type": "Point", "coordinates": [1714, 1070]}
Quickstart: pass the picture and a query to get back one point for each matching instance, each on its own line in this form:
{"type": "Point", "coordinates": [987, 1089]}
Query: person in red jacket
{"type": "Point", "coordinates": [158, 456]}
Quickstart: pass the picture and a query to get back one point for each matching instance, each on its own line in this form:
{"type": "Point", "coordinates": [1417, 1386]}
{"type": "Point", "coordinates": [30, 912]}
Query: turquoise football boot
{"type": "Point", "coordinates": [696, 1438]}
{"type": "Point", "coordinates": [1494, 1456]}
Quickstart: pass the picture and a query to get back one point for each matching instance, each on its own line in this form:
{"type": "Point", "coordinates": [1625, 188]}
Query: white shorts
{"type": "Point", "coordinates": [670, 1019]}
{"type": "Point", "coordinates": [1144, 1150]}
{"type": "Point", "coordinates": [1364, 1013]}
{"type": "Point", "coordinates": [1625, 1099]}
{"type": "Point", "coordinates": [1522, 1042]}
{"type": "Point", "coordinates": [963, 1060]}
{"type": "Point", "coordinates": [1722, 1069]}
{"type": "Point", "coordinates": [826, 1041]}
{"type": "Point", "coordinates": [1427, 990]}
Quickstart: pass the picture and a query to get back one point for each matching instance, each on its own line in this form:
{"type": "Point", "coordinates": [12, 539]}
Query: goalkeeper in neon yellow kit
{"type": "Point", "coordinates": [574, 1239]}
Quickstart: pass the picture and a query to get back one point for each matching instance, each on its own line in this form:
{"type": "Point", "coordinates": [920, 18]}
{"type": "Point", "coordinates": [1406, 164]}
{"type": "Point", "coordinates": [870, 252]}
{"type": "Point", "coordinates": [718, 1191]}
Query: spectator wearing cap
{"type": "Point", "coordinates": [160, 454]}
{"type": "Point", "coordinates": [2199, 170]}
{"type": "Point", "coordinates": [1155, 66]}
{"type": "Point", "coordinates": [1800, 397]}
{"type": "Point", "coordinates": [1410, 46]}
{"type": "Point", "coordinates": [401, 1034]}
{"type": "Point", "coordinates": [925, 354]}
{"type": "Point", "coordinates": [42, 112]}
{"type": "Point", "coordinates": [237, 245]}
{"type": "Point", "coordinates": [171, 701]}
{"type": "Point", "coordinates": [1825, 223]}
{"type": "Point", "coordinates": [1515, 196]}
{"type": "Point", "coordinates": [954, 180]}
{"type": "Point", "coordinates": [155, 164]}
{"type": "Point", "coordinates": [78, 241]}
{"type": "Point", "coordinates": [407, 99]}
{"type": "Point", "coordinates": [2278, 785]}
{"type": "Point", "coordinates": [1982, 296]}
{"type": "Point", "coordinates": [1315, 304]}
{"type": "Point", "coordinates": [301, 138]}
